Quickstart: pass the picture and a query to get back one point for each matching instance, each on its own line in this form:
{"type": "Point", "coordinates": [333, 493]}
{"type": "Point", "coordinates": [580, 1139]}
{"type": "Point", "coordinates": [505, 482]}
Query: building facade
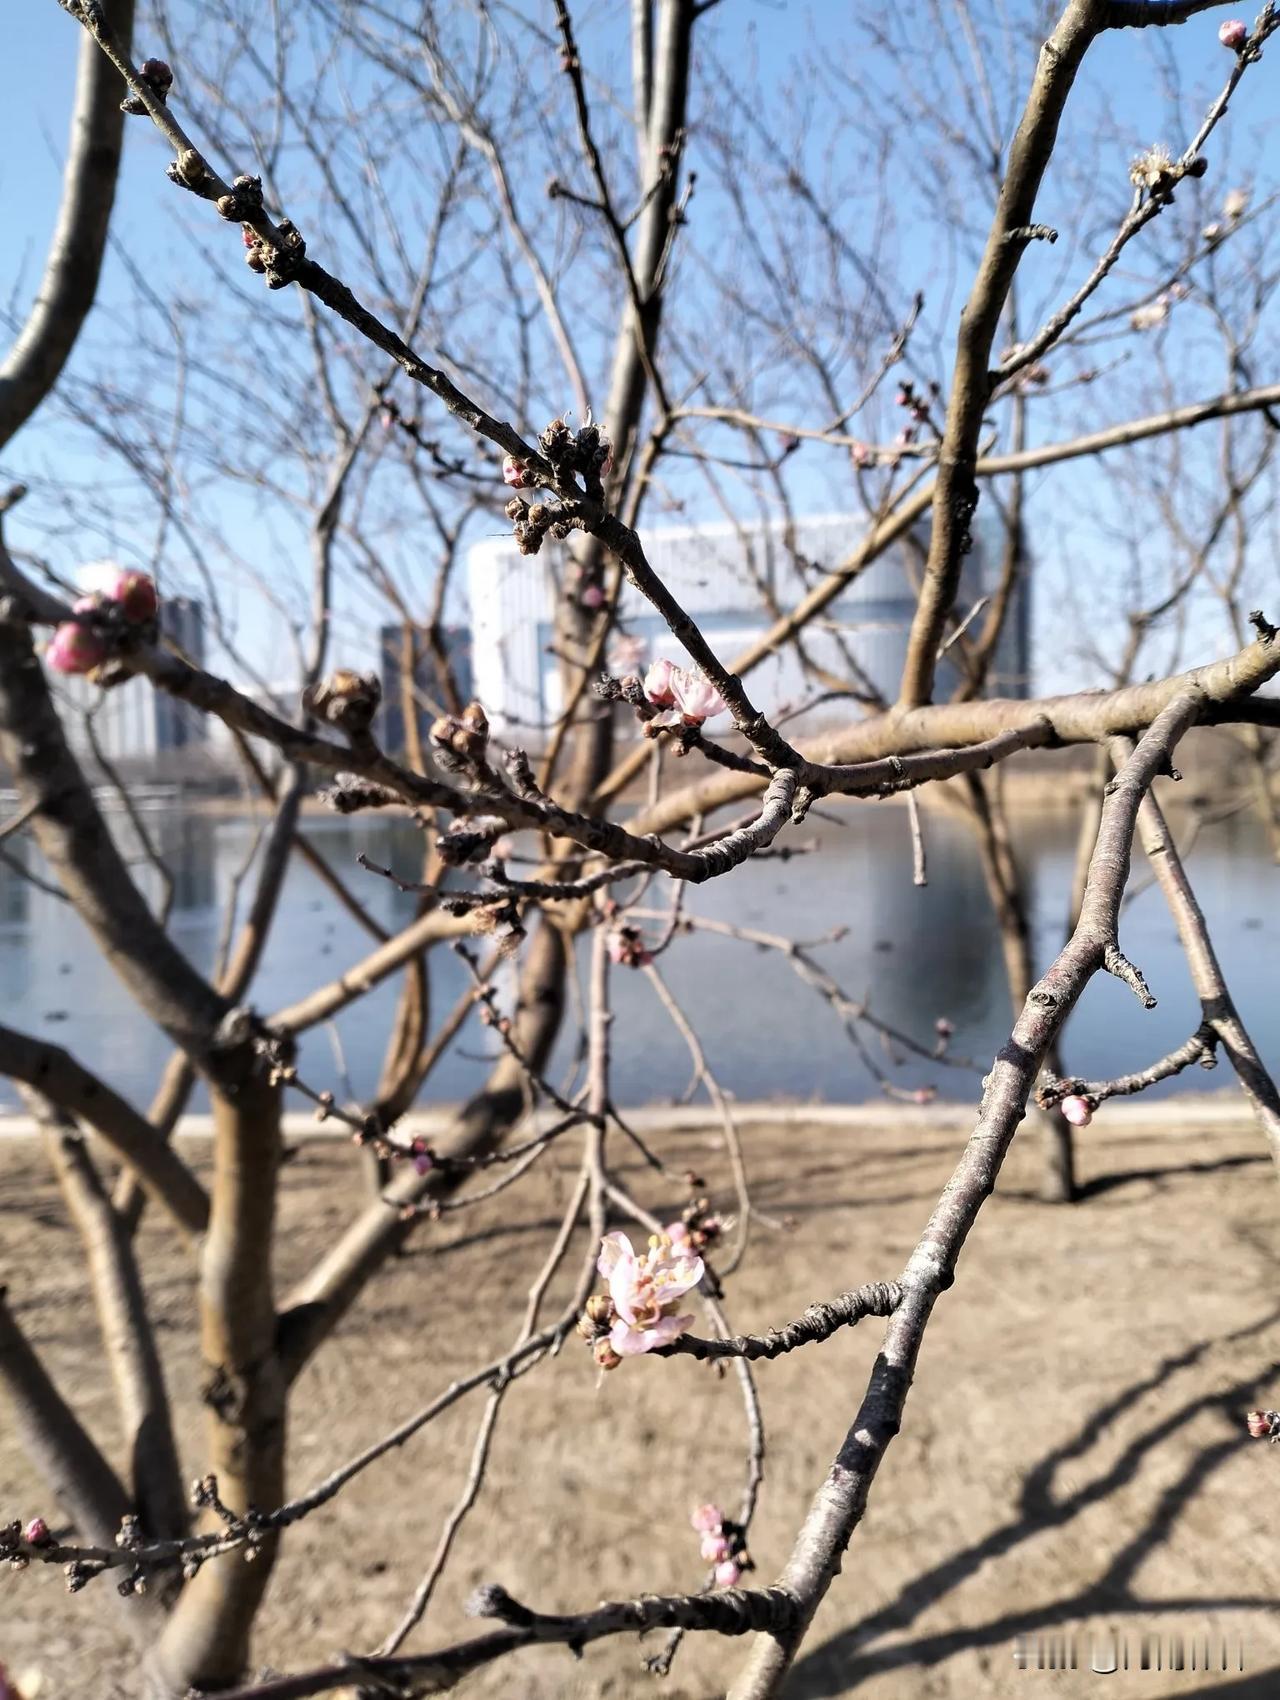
{"type": "Point", "coordinates": [426, 689]}
{"type": "Point", "coordinates": [734, 580]}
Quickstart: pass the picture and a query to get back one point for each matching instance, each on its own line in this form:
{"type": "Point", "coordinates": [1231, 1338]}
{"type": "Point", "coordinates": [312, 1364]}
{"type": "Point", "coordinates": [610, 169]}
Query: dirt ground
{"type": "Point", "coordinates": [1073, 1454]}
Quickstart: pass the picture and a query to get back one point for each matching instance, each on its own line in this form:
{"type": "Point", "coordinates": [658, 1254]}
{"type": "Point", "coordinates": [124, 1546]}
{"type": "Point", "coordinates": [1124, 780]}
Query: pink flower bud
{"type": "Point", "coordinates": [248, 237]}
{"type": "Point", "coordinates": [423, 1159]}
{"type": "Point", "coordinates": [135, 595]}
{"type": "Point", "coordinates": [592, 597]}
{"type": "Point", "coordinates": [516, 473]}
{"type": "Point", "coordinates": [861, 455]}
{"type": "Point", "coordinates": [728, 1575]}
{"type": "Point", "coordinates": [1259, 1424]}
{"type": "Point", "coordinates": [1078, 1111]}
{"type": "Point", "coordinates": [658, 684]}
{"type": "Point", "coordinates": [74, 648]}
{"type": "Point", "coordinates": [36, 1532]}
{"type": "Point", "coordinates": [944, 1028]}
{"type": "Point", "coordinates": [924, 1094]}
{"type": "Point", "coordinates": [1233, 34]}
{"type": "Point", "coordinates": [706, 1519]}
{"type": "Point", "coordinates": [676, 1231]}
{"type": "Point", "coordinates": [715, 1548]}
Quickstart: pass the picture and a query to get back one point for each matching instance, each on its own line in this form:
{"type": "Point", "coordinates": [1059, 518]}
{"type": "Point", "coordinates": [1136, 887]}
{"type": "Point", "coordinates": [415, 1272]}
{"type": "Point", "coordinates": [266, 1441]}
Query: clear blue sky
{"type": "Point", "coordinates": [1120, 96]}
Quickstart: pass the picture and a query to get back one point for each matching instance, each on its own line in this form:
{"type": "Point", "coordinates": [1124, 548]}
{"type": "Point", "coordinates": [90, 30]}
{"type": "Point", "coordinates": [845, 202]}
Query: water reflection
{"type": "Point", "coordinates": [912, 954]}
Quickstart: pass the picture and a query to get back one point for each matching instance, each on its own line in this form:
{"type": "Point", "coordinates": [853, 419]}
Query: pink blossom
{"type": "Point", "coordinates": [861, 455]}
{"type": "Point", "coordinates": [592, 597]}
{"type": "Point", "coordinates": [645, 1291]}
{"type": "Point", "coordinates": [36, 1532]}
{"type": "Point", "coordinates": [924, 1094]}
{"type": "Point", "coordinates": [1233, 34]}
{"type": "Point", "coordinates": [74, 648]}
{"type": "Point", "coordinates": [1077, 1110]}
{"type": "Point", "coordinates": [944, 1028]}
{"type": "Point", "coordinates": [715, 1548]}
{"type": "Point", "coordinates": [676, 1232]}
{"type": "Point", "coordinates": [706, 1519]}
{"type": "Point", "coordinates": [134, 594]}
{"type": "Point", "coordinates": [659, 683]}
{"type": "Point", "coordinates": [728, 1574]}
{"type": "Point", "coordinates": [1259, 1424]}
{"type": "Point", "coordinates": [516, 473]}
{"type": "Point", "coordinates": [696, 698]}
{"type": "Point", "coordinates": [626, 948]}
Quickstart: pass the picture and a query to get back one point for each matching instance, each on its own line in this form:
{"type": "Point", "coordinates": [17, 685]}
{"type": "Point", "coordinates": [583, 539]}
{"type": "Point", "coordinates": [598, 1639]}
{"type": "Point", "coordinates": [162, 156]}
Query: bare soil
{"type": "Point", "coordinates": [1073, 1455]}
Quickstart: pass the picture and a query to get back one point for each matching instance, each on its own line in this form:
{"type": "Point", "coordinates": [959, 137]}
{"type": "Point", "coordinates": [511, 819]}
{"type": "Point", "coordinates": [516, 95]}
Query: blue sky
{"type": "Point", "coordinates": [1124, 93]}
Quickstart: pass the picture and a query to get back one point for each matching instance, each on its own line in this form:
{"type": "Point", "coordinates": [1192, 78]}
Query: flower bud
{"type": "Point", "coordinates": [706, 1519]}
{"type": "Point", "coordinates": [517, 473]}
{"type": "Point", "coordinates": [728, 1575]}
{"type": "Point", "coordinates": [1233, 33]}
{"type": "Point", "coordinates": [157, 73]}
{"type": "Point", "coordinates": [74, 648]}
{"type": "Point", "coordinates": [1259, 1423]}
{"type": "Point", "coordinates": [605, 1355]}
{"type": "Point", "coordinates": [36, 1532]}
{"type": "Point", "coordinates": [592, 597]}
{"type": "Point", "coordinates": [944, 1028]}
{"type": "Point", "coordinates": [715, 1548]}
{"type": "Point", "coordinates": [599, 1308]}
{"type": "Point", "coordinates": [135, 595]}
{"type": "Point", "coordinates": [1078, 1111]}
{"type": "Point", "coordinates": [346, 699]}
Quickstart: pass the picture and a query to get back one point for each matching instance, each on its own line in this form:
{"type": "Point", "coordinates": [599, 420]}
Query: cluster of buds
{"type": "Point", "coordinates": [627, 949]}
{"type": "Point", "coordinates": [1264, 1425]}
{"type": "Point", "coordinates": [346, 699]}
{"type": "Point", "coordinates": [531, 526]}
{"type": "Point", "coordinates": [916, 405]}
{"type": "Point", "coordinates": [16, 1539]}
{"type": "Point", "coordinates": [126, 606]}
{"type": "Point", "coordinates": [463, 740]}
{"type": "Point", "coordinates": [1233, 33]}
{"type": "Point", "coordinates": [638, 1313]}
{"type": "Point", "coordinates": [158, 78]}
{"type": "Point", "coordinates": [1157, 173]}
{"type": "Point", "coordinates": [586, 451]}
{"type": "Point", "coordinates": [463, 841]}
{"type": "Point", "coordinates": [696, 699]}
{"type": "Point", "coordinates": [722, 1544]}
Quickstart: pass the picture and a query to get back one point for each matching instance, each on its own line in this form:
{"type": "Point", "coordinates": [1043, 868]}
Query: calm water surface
{"type": "Point", "coordinates": [912, 954]}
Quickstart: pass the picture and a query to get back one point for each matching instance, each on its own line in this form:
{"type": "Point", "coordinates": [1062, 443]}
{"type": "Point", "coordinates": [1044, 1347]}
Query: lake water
{"type": "Point", "coordinates": [912, 954]}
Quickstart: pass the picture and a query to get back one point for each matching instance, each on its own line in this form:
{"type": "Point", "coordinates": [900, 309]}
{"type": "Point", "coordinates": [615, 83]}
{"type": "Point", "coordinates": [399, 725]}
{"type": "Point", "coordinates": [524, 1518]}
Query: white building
{"type": "Point", "coordinates": [733, 580]}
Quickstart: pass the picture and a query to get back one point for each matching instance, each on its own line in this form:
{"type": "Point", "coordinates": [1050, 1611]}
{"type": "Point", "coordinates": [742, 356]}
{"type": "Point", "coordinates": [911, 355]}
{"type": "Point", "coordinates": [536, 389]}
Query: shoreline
{"type": "Point", "coordinates": [1182, 1113]}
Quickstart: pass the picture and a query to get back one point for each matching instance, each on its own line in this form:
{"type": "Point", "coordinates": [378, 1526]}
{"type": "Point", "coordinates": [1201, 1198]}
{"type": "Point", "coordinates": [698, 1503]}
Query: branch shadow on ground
{"type": "Point", "coordinates": [839, 1665]}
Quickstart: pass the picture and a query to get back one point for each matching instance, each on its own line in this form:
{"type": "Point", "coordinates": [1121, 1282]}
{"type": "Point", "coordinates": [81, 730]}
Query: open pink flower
{"type": "Point", "coordinates": [1077, 1110]}
{"type": "Point", "coordinates": [696, 698]}
{"type": "Point", "coordinates": [658, 683]}
{"type": "Point", "coordinates": [74, 648]}
{"type": "Point", "coordinates": [645, 1291]}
